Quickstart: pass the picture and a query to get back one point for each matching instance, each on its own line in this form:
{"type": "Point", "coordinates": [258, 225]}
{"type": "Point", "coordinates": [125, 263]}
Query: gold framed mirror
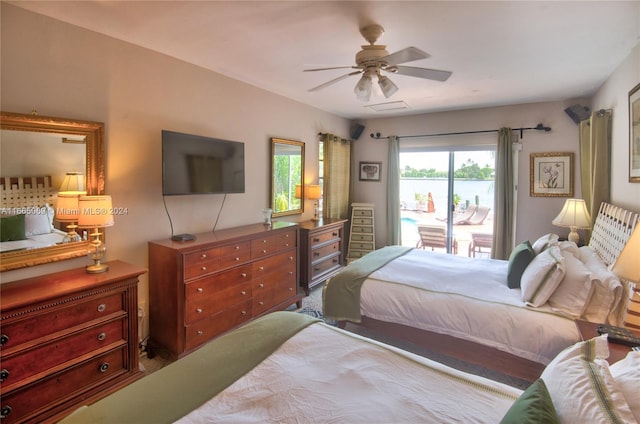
{"type": "Point", "coordinates": [287, 172]}
{"type": "Point", "coordinates": [85, 135]}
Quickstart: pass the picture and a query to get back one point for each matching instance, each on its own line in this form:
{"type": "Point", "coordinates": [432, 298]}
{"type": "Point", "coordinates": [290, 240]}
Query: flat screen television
{"type": "Point", "coordinates": [193, 164]}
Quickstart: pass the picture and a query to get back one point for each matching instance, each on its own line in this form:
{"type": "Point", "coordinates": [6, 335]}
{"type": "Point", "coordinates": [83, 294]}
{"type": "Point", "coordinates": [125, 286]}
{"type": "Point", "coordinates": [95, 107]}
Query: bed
{"type": "Point", "coordinates": [26, 218]}
{"type": "Point", "coordinates": [463, 307]}
{"type": "Point", "coordinates": [289, 367]}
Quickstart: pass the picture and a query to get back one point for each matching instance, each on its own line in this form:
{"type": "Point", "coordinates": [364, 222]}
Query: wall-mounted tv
{"type": "Point", "coordinates": [193, 164]}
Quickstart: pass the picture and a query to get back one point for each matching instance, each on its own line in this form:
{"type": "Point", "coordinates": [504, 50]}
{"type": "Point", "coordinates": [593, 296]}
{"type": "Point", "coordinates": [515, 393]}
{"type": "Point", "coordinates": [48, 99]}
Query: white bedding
{"type": "Point", "coordinates": [290, 387]}
{"type": "Point", "coordinates": [34, 241]}
{"type": "Point", "coordinates": [466, 298]}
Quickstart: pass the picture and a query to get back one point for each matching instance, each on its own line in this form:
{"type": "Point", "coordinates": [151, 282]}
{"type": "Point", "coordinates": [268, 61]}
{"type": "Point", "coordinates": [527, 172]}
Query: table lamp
{"type": "Point", "coordinates": [95, 212]}
{"type": "Point", "coordinates": [627, 267]}
{"type": "Point", "coordinates": [314, 192]}
{"type": "Point", "coordinates": [574, 214]}
{"type": "Point", "coordinates": [67, 211]}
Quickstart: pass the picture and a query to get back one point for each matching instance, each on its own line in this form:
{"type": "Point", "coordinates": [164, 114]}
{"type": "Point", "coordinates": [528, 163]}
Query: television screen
{"type": "Point", "coordinates": [193, 164]}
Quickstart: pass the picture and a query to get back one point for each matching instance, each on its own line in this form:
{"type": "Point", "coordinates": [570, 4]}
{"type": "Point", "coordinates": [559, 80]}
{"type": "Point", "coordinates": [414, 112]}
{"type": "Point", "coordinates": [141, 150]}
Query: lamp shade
{"type": "Point", "coordinates": [95, 211]}
{"type": "Point", "coordinates": [73, 183]}
{"type": "Point", "coordinates": [67, 207]}
{"type": "Point", "coordinates": [363, 88]}
{"type": "Point", "coordinates": [628, 264]}
{"type": "Point", "coordinates": [313, 192]}
{"type": "Point", "coordinates": [298, 193]}
{"type": "Point", "coordinates": [387, 86]}
{"type": "Point", "coordinates": [574, 213]}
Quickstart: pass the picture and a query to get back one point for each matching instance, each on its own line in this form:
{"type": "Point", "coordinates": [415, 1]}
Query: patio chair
{"type": "Point", "coordinates": [466, 214]}
{"type": "Point", "coordinates": [478, 217]}
{"type": "Point", "coordinates": [480, 241]}
{"type": "Point", "coordinates": [434, 236]}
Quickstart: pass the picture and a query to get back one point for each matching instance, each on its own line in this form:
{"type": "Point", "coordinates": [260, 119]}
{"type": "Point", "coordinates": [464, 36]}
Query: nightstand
{"type": "Point", "coordinates": [589, 330]}
{"type": "Point", "coordinates": [321, 251]}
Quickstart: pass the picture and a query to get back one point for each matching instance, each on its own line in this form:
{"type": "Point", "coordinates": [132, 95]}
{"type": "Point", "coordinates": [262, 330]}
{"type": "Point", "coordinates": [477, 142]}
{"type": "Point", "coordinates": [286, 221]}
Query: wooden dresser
{"type": "Point", "coordinates": [199, 289]}
{"type": "Point", "coordinates": [68, 339]}
{"type": "Point", "coordinates": [321, 251]}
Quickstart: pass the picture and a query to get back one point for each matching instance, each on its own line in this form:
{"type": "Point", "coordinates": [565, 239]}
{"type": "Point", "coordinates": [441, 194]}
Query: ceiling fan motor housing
{"type": "Point", "coordinates": [371, 56]}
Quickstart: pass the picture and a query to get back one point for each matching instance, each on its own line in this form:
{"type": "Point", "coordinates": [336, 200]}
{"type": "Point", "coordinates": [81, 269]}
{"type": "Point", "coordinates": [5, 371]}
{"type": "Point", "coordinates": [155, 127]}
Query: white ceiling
{"type": "Point", "coordinates": [500, 52]}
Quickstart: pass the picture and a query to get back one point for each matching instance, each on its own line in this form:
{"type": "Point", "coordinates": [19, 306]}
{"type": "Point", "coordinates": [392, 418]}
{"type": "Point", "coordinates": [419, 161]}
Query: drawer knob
{"type": "Point", "coordinates": [261, 285]}
{"type": "Point", "coordinates": [200, 333]}
{"type": "Point", "coordinates": [102, 336]}
{"type": "Point", "coordinates": [104, 367]}
{"type": "Point", "coordinates": [102, 307]}
{"type": "Point", "coordinates": [204, 268]}
{"type": "Point", "coordinates": [243, 292]}
{"type": "Point", "coordinates": [264, 241]}
{"type": "Point", "coordinates": [261, 303]}
{"type": "Point", "coordinates": [290, 288]}
{"type": "Point", "coordinates": [316, 239]}
{"type": "Point", "coordinates": [244, 312]}
{"type": "Point", "coordinates": [5, 411]}
{"type": "Point", "coordinates": [203, 256]}
{"type": "Point", "coordinates": [243, 275]}
{"type": "Point", "coordinates": [4, 374]}
{"type": "Point", "coordinates": [237, 247]}
{"type": "Point", "coordinates": [199, 310]}
{"type": "Point", "coordinates": [236, 259]}
{"type": "Point", "coordinates": [316, 254]}
{"type": "Point", "coordinates": [264, 251]}
{"type": "Point", "coordinates": [199, 289]}
{"type": "Point", "coordinates": [3, 339]}
{"type": "Point", "coordinates": [290, 258]}
{"type": "Point", "coordinates": [335, 234]}
{"type": "Point", "coordinates": [290, 272]}
{"type": "Point", "coordinates": [261, 268]}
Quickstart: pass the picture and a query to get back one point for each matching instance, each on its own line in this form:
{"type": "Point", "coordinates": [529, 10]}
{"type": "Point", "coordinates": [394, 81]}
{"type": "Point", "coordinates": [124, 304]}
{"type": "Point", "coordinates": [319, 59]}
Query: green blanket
{"type": "Point", "coordinates": [341, 294]}
{"type": "Point", "coordinates": [177, 389]}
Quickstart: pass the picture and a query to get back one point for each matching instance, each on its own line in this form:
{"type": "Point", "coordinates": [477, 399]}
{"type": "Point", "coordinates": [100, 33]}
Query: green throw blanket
{"type": "Point", "coordinates": [172, 392]}
{"type": "Point", "coordinates": [341, 294]}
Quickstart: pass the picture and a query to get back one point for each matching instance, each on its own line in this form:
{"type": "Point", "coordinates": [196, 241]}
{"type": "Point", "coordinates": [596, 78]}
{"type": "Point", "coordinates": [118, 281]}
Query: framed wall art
{"type": "Point", "coordinates": [634, 134]}
{"type": "Point", "coordinates": [370, 171]}
{"type": "Point", "coordinates": [551, 174]}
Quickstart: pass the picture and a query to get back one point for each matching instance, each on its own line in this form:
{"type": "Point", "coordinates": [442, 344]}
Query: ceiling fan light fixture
{"type": "Point", "coordinates": [387, 86]}
{"type": "Point", "coordinates": [363, 88]}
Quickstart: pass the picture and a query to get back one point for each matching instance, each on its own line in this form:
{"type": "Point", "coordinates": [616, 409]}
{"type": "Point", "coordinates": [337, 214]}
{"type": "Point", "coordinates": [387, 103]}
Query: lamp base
{"type": "Point", "coordinates": [97, 268]}
{"type": "Point", "coordinates": [574, 236]}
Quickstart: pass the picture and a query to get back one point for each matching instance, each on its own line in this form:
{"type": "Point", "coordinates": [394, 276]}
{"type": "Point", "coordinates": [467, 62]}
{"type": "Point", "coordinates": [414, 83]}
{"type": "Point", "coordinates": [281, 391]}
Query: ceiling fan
{"type": "Point", "coordinates": [374, 59]}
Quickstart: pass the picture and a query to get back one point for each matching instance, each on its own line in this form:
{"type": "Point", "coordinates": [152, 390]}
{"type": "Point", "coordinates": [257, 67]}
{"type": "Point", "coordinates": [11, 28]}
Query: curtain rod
{"type": "Point", "coordinates": [538, 127]}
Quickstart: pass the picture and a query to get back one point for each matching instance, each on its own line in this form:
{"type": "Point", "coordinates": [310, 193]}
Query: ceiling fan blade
{"type": "Point", "coordinates": [432, 74]}
{"type": "Point", "coordinates": [333, 81]}
{"type": "Point", "coordinates": [405, 55]}
{"type": "Point", "coordinates": [327, 69]}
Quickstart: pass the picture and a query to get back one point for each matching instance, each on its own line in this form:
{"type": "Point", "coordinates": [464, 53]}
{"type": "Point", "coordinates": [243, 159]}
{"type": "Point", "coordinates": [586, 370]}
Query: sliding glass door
{"type": "Point", "coordinates": [446, 196]}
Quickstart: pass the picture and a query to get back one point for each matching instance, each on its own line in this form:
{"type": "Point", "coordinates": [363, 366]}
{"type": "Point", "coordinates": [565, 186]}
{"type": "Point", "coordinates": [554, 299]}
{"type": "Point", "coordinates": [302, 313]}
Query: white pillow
{"type": "Point", "coordinates": [626, 373]}
{"type": "Point", "coordinates": [581, 388]}
{"type": "Point", "coordinates": [38, 221]}
{"type": "Point", "coordinates": [571, 247]}
{"type": "Point", "coordinates": [544, 242]}
{"type": "Point", "coordinates": [542, 276]}
{"type": "Point", "coordinates": [607, 289]}
{"type": "Point", "coordinates": [575, 289]}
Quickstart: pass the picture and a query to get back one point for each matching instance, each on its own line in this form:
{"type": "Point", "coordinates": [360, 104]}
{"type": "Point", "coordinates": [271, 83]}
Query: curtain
{"type": "Point", "coordinates": [595, 153]}
{"type": "Point", "coordinates": [394, 237]}
{"type": "Point", "coordinates": [337, 176]}
{"type": "Point", "coordinates": [503, 203]}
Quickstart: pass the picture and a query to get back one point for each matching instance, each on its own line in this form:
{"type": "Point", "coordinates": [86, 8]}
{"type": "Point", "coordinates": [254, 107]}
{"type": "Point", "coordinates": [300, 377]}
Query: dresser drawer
{"type": "Point", "coordinates": [357, 213]}
{"type": "Point", "coordinates": [234, 254]}
{"type": "Point", "coordinates": [214, 302]}
{"type": "Point", "coordinates": [204, 330]}
{"type": "Point", "coordinates": [55, 319]}
{"type": "Point", "coordinates": [35, 398]}
{"type": "Point", "coordinates": [46, 357]}
{"type": "Point", "coordinates": [329, 264]}
{"type": "Point", "coordinates": [363, 230]}
{"type": "Point", "coordinates": [267, 245]}
{"type": "Point", "coordinates": [272, 294]}
{"type": "Point", "coordinates": [361, 246]}
{"type": "Point", "coordinates": [362, 221]}
{"type": "Point", "coordinates": [362, 237]}
{"type": "Point", "coordinates": [200, 263]}
{"type": "Point", "coordinates": [281, 267]}
{"type": "Point", "coordinates": [324, 237]}
{"type": "Point", "coordinates": [357, 253]}
{"type": "Point", "coordinates": [324, 251]}
{"type": "Point", "coordinates": [207, 287]}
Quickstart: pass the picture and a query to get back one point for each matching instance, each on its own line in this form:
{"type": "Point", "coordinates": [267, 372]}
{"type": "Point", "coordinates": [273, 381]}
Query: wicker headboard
{"type": "Point", "coordinates": [21, 192]}
{"type": "Point", "coordinates": [611, 230]}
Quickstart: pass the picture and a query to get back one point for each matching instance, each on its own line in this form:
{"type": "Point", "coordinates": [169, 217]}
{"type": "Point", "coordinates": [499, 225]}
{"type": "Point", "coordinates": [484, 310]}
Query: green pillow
{"type": "Point", "coordinates": [12, 228]}
{"type": "Point", "coordinates": [533, 406]}
{"type": "Point", "coordinates": [520, 258]}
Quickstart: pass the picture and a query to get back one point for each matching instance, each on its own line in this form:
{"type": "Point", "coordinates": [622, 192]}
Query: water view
{"type": "Point", "coordinates": [467, 190]}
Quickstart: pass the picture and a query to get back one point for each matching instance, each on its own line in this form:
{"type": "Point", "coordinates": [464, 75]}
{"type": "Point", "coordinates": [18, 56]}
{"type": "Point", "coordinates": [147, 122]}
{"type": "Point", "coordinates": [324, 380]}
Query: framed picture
{"type": "Point", "coordinates": [634, 134]}
{"type": "Point", "coordinates": [551, 174]}
{"type": "Point", "coordinates": [370, 171]}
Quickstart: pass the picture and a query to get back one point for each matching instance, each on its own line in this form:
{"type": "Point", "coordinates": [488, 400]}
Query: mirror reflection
{"type": "Point", "coordinates": [287, 171]}
{"type": "Point", "coordinates": [43, 159]}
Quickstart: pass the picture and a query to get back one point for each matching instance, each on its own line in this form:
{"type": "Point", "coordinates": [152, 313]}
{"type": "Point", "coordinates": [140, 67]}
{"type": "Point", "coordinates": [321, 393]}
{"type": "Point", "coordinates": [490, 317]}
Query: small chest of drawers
{"type": "Point", "coordinates": [321, 251]}
{"type": "Point", "coordinates": [199, 289]}
{"type": "Point", "coordinates": [67, 339]}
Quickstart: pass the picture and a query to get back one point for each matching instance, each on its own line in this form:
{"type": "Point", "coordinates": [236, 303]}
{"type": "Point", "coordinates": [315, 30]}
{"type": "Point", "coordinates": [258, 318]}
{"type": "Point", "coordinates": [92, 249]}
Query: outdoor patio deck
{"type": "Point", "coordinates": [462, 233]}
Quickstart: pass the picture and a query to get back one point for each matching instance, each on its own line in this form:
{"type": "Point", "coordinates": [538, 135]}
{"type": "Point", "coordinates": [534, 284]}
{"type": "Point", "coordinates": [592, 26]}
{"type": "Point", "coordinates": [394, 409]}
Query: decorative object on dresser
{"type": "Point", "coordinates": [626, 267]}
{"type": "Point", "coordinates": [200, 289]}
{"type": "Point", "coordinates": [321, 251]}
{"type": "Point", "coordinates": [362, 235]}
{"type": "Point", "coordinates": [574, 214]}
{"type": "Point", "coordinates": [68, 339]}
{"type": "Point", "coordinates": [314, 192]}
{"type": "Point", "coordinates": [95, 212]}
